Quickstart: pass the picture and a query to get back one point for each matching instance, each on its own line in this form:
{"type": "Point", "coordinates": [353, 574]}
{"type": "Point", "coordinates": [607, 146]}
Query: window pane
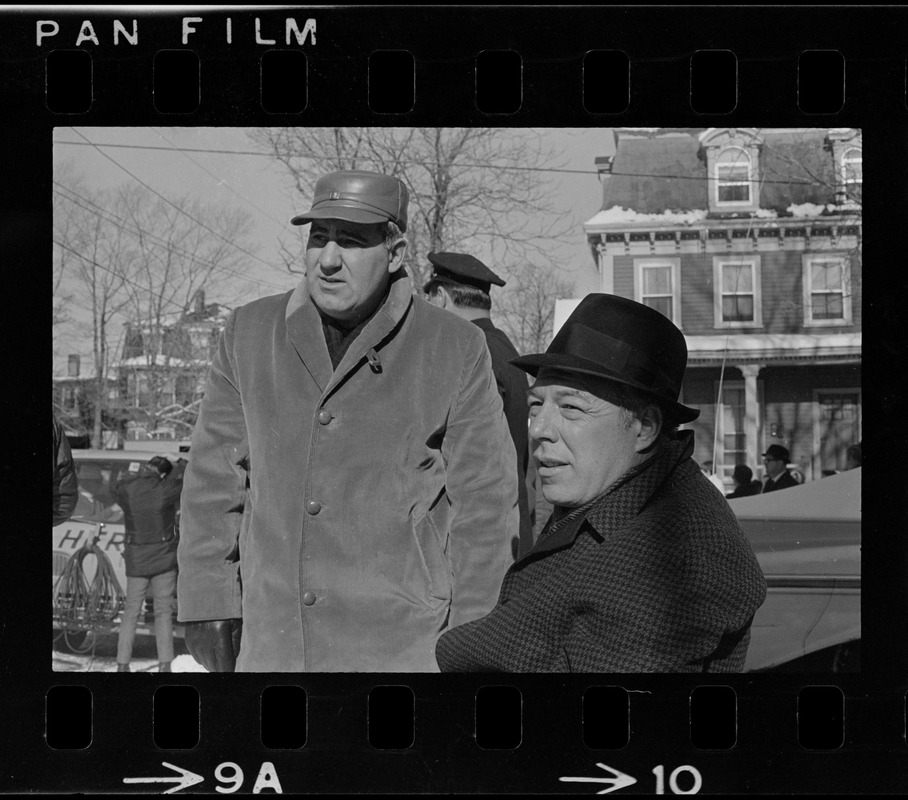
{"type": "Point", "coordinates": [826, 276]}
{"type": "Point", "coordinates": [853, 165]}
{"type": "Point", "coordinates": [734, 194]}
{"type": "Point", "coordinates": [827, 306]}
{"type": "Point", "coordinates": [662, 304]}
{"type": "Point", "coordinates": [737, 278]}
{"type": "Point", "coordinates": [734, 442]}
{"type": "Point", "coordinates": [657, 280]}
{"type": "Point", "coordinates": [734, 173]}
{"type": "Point", "coordinates": [738, 308]}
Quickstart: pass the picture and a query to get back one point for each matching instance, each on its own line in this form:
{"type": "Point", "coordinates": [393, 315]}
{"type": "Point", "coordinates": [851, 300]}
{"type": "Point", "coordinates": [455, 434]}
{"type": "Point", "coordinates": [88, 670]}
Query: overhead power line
{"type": "Point", "coordinates": [508, 168]}
{"type": "Point", "coordinates": [172, 204]}
{"type": "Point", "coordinates": [125, 225]}
{"type": "Point", "coordinates": [221, 182]}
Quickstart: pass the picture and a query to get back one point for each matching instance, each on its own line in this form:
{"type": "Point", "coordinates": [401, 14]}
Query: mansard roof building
{"type": "Point", "coordinates": [750, 241]}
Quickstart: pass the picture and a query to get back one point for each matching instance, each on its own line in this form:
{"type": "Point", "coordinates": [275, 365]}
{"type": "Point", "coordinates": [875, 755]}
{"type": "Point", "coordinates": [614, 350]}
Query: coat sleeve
{"type": "Point", "coordinates": [66, 489]}
{"type": "Point", "coordinates": [481, 481]}
{"type": "Point", "coordinates": [213, 497]}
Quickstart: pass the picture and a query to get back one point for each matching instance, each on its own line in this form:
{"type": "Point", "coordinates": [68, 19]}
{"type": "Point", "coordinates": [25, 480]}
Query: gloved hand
{"type": "Point", "coordinates": [214, 643]}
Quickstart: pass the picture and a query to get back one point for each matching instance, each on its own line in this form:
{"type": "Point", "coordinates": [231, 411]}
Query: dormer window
{"type": "Point", "coordinates": [733, 177]}
{"type": "Point", "coordinates": [732, 163]}
{"type": "Point", "coordinates": [852, 173]}
{"type": "Point", "coordinates": [848, 158]}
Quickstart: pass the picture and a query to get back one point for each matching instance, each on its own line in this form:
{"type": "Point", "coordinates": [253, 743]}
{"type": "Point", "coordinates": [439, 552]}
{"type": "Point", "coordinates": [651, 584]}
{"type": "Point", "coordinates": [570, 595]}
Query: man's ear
{"type": "Point", "coordinates": [440, 298]}
{"type": "Point", "coordinates": [397, 255]}
{"type": "Point", "coordinates": [649, 426]}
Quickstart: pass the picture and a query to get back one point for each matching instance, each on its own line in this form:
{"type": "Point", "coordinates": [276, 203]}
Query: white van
{"type": "Point", "coordinates": [97, 521]}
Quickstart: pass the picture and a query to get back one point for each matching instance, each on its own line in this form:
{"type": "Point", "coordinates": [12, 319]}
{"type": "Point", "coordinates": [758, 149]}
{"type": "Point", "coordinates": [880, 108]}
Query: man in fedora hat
{"type": "Point", "coordinates": [462, 284]}
{"type": "Point", "coordinates": [349, 493]}
{"type": "Point", "coordinates": [778, 476]}
{"type": "Point", "coordinates": [642, 566]}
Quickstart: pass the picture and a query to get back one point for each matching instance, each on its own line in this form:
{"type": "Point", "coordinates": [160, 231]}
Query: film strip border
{"type": "Point", "coordinates": [480, 733]}
{"type": "Point", "coordinates": [392, 83]}
{"type": "Point", "coordinates": [647, 63]}
{"type": "Point", "coordinates": [569, 66]}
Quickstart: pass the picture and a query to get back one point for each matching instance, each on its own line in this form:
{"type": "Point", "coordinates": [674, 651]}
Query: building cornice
{"type": "Point", "coordinates": [768, 348]}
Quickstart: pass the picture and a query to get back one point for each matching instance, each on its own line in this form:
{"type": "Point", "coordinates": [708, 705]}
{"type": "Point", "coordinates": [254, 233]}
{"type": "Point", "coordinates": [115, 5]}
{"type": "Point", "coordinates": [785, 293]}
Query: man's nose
{"type": "Point", "coordinates": [329, 259]}
{"type": "Point", "coordinates": [541, 427]}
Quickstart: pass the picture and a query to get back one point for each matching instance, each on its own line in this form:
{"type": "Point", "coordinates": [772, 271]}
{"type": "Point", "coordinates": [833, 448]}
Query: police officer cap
{"type": "Point", "coordinates": [356, 195]}
{"type": "Point", "coordinates": [463, 268]}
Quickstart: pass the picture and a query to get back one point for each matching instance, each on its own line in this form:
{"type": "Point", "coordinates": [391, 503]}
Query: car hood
{"type": "Point", "coordinates": [814, 528]}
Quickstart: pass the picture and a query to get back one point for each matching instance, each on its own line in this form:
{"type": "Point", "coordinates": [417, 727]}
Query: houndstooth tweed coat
{"type": "Point", "coordinates": [654, 576]}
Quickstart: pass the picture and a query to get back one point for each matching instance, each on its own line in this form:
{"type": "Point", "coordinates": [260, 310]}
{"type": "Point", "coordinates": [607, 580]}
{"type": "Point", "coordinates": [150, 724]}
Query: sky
{"type": "Point", "coordinates": [223, 165]}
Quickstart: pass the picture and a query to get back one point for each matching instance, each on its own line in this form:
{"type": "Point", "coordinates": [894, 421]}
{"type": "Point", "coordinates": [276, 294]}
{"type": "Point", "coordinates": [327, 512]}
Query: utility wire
{"type": "Point", "coordinates": [123, 278]}
{"type": "Point", "coordinates": [172, 204]}
{"type": "Point", "coordinates": [125, 225]}
{"type": "Point", "coordinates": [510, 168]}
{"type": "Point", "coordinates": [222, 182]}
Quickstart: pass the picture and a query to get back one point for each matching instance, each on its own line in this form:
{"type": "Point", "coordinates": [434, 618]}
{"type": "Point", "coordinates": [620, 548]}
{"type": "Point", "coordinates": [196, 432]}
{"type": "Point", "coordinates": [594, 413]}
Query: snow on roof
{"type": "Point", "coordinates": [159, 361]}
{"type": "Point", "coordinates": [653, 171]}
{"type": "Point", "coordinates": [619, 214]}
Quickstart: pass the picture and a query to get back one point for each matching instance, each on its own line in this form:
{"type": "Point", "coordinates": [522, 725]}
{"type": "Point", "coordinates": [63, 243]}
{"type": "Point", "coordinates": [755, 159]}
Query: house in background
{"type": "Point", "coordinates": [161, 375]}
{"type": "Point", "coordinates": [750, 241]}
{"type": "Point", "coordinates": [153, 391]}
{"type": "Point", "coordinates": [74, 402]}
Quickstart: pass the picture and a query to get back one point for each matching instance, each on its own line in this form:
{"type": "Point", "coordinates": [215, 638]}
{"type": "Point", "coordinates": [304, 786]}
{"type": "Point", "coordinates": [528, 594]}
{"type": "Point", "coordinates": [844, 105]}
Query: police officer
{"type": "Point", "coordinates": [461, 284]}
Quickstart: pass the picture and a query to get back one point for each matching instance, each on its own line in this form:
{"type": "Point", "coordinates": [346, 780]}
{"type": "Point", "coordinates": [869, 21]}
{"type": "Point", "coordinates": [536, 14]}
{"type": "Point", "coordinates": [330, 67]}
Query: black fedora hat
{"type": "Point", "coordinates": [623, 341]}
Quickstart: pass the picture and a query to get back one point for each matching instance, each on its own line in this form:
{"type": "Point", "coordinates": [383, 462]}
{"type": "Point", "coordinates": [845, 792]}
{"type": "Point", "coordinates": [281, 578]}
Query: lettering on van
{"type": "Point", "coordinates": [74, 538]}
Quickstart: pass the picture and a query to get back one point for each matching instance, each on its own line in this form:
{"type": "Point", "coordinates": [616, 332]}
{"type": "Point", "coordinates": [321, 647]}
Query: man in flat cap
{"type": "Point", "coordinates": [642, 566]}
{"type": "Point", "coordinates": [778, 476]}
{"type": "Point", "coordinates": [461, 283]}
{"type": "Point", "coordinates": [349, 493]}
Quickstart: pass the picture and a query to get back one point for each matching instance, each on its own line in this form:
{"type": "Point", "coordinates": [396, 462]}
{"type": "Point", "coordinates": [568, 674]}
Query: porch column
{"type": "Point", "coordinates": [606, 270]}
{"type": "Point", "coordinates": [751, 414]}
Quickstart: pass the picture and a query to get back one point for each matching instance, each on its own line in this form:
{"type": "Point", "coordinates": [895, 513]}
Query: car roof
{"type": "Point", "coordinates": [122, 455]}
{"type": "Point", "coordinates": [837, 497]}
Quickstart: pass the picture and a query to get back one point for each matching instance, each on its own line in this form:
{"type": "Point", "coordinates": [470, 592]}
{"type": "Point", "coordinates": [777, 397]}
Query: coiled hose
{"type": "Point", "coordinates": [81, 605]}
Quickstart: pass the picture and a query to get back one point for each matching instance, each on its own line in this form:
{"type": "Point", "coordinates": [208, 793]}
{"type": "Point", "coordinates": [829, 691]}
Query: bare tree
{"type": "Point", "coordinates": [525, 308]}
{"type": "Point", "coordinates": [129, 258]}
{"type": "Point", "coordinates": [98, 258]}
{"type": "Point", "coordinates": [476, 189]}
{"type": "Point", "coordinates": [182, 247]}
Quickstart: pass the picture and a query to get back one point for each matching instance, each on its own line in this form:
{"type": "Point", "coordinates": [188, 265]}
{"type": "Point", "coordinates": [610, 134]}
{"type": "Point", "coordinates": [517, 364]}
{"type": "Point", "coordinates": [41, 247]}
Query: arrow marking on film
{"type": "Point", "coordinates": [618, 781]}
{"type": "Point", "coordinates": [184, 780]}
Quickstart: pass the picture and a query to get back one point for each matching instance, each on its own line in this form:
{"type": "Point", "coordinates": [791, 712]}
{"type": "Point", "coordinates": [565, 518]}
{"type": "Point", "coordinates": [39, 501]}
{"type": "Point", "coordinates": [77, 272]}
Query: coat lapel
{"type": "Point", "coordinates": [304, 327]}
{"type": "Point", "coordinates": [382, 323]}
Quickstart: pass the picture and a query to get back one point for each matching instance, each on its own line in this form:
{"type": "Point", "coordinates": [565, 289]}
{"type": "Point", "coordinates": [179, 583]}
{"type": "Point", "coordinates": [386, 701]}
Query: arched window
{"type": "Point", "coordinates": [852, 172]}
{"type": "Point", "coordinates": [733, 177]}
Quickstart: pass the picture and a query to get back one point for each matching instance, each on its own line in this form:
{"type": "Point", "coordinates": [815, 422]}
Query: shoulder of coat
{"type": "Point", "coordinates": [445, 325]}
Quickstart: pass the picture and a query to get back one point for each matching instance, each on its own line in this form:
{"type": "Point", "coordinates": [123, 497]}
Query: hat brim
{"type": "Point", "coordinates": [360, 215]}
{"type": "Point", "coordinates": [533, 363]}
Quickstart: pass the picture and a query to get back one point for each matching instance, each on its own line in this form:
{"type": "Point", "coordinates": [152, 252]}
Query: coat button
{"type": "Point", "coordinates": [309, 599]}
{"type": "Point", "coordinates": [313, 507]}
{"type": "Point", "coordinates": [325, 416]}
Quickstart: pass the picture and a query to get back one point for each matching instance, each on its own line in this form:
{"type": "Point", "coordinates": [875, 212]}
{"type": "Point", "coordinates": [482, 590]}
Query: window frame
{"type": "Point", "coordinates": [843, 170]}
{"type": "Point", "coordinates": [754, 262]}
{"type": "Point", "coordinates": [808, 260]}
{"type": "Point", "coordinates": [718, 163]}
{"type": "Point", "coordinates": [640, 264]}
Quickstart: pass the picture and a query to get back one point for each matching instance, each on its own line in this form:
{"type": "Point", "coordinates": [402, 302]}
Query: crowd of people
{"type": "Point", "coordinates": [360, 488]}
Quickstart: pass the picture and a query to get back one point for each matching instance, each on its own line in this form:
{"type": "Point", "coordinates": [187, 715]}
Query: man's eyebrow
{"type": "Point", "coordinates": [562, 391]}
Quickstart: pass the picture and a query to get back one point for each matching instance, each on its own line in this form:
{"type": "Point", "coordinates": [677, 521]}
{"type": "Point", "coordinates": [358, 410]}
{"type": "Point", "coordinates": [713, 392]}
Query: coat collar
{"type": "Point", "coordinates": [625, 499]}
{"type": "Point", "coordinates": [304, 327]}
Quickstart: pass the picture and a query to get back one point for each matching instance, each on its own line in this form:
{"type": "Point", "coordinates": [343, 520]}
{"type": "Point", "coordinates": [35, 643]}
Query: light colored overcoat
{"type": "Point", "coordinates": [348, 515]}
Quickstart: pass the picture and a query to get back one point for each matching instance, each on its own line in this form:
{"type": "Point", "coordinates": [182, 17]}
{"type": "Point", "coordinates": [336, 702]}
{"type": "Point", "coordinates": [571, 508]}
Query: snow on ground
{"type": "Point", "coordinates": [102, 657]}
